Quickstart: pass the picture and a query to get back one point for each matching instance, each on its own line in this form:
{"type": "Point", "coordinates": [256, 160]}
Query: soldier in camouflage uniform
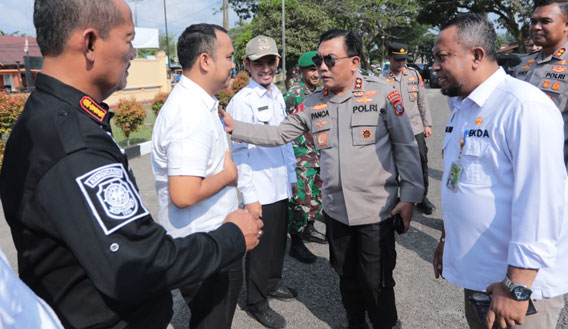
{"type": "Point", "coordinates": [306, 203]}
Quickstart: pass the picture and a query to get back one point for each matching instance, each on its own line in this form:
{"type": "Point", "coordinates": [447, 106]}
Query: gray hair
{"type": "Point", "coordinates": [475, 30]}
{"type": "Point", "coordinates": [56, 20]}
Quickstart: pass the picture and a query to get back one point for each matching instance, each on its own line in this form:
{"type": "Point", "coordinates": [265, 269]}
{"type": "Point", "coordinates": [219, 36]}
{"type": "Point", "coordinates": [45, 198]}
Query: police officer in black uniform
{"type": "Point", "coordinates": [86, 243]}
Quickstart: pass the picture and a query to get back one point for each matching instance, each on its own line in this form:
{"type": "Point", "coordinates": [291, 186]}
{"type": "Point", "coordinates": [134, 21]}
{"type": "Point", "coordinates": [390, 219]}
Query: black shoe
{"type": "Point", "coordinates": [310, 234]}
{"type": "Point", "coordinates": [358, 326]}
{"type": "Point", "coordinates": [299, 251]}
{"type": "Point", "coordinates": [268, 318]}
{"type": "Point", "coordinates": [283, 293]}
{"type": "Point", "coordinates": [426, 206]}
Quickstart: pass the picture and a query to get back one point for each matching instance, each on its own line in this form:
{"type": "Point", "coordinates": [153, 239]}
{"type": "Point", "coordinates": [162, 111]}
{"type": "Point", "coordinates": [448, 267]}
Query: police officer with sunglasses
{"type": "Point", "coordinates": [370, 169]}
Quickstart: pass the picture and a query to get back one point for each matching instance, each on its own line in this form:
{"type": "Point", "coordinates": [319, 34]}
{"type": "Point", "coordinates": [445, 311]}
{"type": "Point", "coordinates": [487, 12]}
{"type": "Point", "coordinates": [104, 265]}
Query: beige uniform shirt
{"type": "Point", "coordinates": [411, 87]}
{"type": "Point", "coordinates": [368, 154]}
{"type": "Point", "coordinates": [550, 75]}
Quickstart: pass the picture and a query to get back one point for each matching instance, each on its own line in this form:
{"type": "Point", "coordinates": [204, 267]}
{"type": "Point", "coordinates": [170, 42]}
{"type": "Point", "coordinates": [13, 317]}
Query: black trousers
{"type": "Point", "coordinates": [364, 256]}
{"type": "Point", "coordinates": [423, 150]}
{"type": "Point", "coordinates": [263, 264]}
{"type": "Point", "coordinates": [212, 302]}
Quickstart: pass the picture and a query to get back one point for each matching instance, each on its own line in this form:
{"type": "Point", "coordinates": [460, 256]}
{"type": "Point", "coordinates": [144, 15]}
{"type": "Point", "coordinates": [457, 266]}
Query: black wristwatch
{"type": "Point", "coordinates": [518, 291]}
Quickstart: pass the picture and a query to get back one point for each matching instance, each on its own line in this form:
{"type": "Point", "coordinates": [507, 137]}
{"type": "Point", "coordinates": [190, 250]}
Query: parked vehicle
{"type": "Point", "coordinates": [434, 83]}
{"type": "Point", "coordinates": [509, 62]}
{"type": "Point", "coordinates": [423, 69]}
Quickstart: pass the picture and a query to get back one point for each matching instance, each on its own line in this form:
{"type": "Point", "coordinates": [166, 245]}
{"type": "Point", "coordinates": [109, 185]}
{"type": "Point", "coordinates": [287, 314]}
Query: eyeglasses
{"type": "Point", "coordinates": [328, 59]}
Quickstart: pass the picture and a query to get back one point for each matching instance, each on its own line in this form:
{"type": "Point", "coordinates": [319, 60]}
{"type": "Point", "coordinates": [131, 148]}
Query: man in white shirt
{"type": "Point", "coordinates": [504, 184]}
{"type": "Point", "coordinates": [266, 176]}
{"type": "Point", "coordinates": [191, 160]}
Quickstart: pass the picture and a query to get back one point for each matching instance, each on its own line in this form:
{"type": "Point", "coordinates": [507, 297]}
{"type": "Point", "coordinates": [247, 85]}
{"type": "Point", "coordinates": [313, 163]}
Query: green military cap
{"type": "Point", "coordinates": [398, 50]}
{"type": "Point", "coordinates": [306, 59]}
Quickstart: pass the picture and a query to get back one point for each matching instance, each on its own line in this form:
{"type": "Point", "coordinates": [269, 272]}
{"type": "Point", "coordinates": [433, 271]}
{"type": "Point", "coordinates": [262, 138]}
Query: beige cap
{"type": "Point", "coordinates": [261, 46]}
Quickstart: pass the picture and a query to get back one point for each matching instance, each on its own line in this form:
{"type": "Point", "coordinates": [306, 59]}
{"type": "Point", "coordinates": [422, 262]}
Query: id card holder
{"type": "Point", "coordinates": [454, 176]}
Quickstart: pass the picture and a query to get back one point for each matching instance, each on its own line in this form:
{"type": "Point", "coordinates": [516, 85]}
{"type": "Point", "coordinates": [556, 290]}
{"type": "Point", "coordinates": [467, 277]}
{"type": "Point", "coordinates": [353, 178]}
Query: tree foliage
{"type": "Point", "coordinates": [245, 9]}
{"type": "Point", "coordinates": [10, 109]}
{"type": "Point", "coordinates": [129, 117]}
{"type": "Point", "coordinates": [158, 101]}
{"type": "Point", "coordinates": [513, 15]}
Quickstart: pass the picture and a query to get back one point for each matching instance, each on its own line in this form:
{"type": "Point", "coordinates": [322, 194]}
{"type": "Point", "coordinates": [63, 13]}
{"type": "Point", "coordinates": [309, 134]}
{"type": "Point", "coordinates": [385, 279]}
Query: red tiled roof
{"type": "Point", "coordinates": [12, 49]}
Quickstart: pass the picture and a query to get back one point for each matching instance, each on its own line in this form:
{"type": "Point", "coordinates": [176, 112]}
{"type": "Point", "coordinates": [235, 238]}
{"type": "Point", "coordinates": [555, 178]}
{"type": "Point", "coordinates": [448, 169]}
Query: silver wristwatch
{"type": "Point", "coordinates": [518, 291]}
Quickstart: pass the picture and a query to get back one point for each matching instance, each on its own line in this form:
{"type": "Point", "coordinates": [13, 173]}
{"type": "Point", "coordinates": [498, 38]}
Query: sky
{"type": "Point", "coordinates": [17, 15]}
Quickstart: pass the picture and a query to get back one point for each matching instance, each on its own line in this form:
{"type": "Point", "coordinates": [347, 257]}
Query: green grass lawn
{"type": "Point", "coordinates": [143, 134]}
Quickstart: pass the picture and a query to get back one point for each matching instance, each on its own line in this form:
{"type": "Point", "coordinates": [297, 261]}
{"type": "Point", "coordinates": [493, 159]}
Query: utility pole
{"type": "Point", "coordinates": [226, 14]}
{"type": "Point", "coordinates": [167, 39]}
{"type": "Point", "coordinates": [283, 44]}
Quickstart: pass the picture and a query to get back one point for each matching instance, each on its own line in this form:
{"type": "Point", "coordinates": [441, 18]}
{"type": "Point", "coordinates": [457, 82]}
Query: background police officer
{"type": "Point", "coordinates": [370, 170]}
{"type": "Point", "coordinates": [305, 205]}
{"type": "Point", "coordinates": [86, 243]}
{"type": "Point", "coordinates": [408, 82]}
{"type": "Point", "coordinates": [548, 68]}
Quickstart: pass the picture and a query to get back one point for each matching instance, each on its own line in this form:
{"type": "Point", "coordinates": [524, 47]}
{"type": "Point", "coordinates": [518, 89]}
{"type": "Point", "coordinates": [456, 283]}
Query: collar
{"type": "Point", "coordinates": [304, 87]}
{"type": "Point", "coordinates": [480, 94]}
{"type": "Point", "coordinates": [560, 53]}
{"type": "Point", "coordinates": [261, 91]}
{"type": "Point", "coordinates": [99, 112]}
{"type": "Point", "coordinates": [358, 84]}
{"type": "Point", "coordinates": [210, 102]}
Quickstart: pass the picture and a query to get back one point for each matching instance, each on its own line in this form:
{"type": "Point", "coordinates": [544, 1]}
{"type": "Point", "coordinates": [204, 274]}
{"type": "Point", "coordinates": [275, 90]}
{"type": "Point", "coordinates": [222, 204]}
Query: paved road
{"type": "Point", "coordinates": [422, 301]}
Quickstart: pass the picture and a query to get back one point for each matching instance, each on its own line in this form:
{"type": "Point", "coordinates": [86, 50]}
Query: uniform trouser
{"type": "Point", "coordinates": [548, 312]}
{"type": "Point", "coordinates": [305, 206]}
{"type": "Point", "coordinates": [263, 265]}
{"type": "Point", "coordinates": [364, 256]}
{"type": "Point", "coordinates": [212, 302]}
{"type": "Point", "coordinates": [423, 150]}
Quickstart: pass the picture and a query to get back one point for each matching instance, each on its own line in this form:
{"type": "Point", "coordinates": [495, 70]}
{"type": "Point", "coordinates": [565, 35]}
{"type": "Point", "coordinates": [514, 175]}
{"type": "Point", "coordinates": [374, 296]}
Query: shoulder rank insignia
{"type": "Point", "coordinates": [396, 101]}
{"type": "Point", "coordinates": [92, 108]}
{"type": "Point", "coordinates": [563, 62]}
{"type": "Point", "coordinates": [325, 92]}
{"type": "Point", "coordinates": [560, 52]}
{"type": "Point", "coordinates": [421, 81]}
{"type": "Point", "coordinates": [559, 69]}
{"type": "Point", "coordinates": [530, 61]}
{"type": "Point", "coordinates": [358, 83]}
{"type": "Point", "coordinates": [319, 106]}
{"type": "Point", "coordinates": [358, 93]}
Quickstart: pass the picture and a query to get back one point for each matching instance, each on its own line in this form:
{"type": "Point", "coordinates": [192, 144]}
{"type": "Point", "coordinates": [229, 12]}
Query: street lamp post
{"type": "Point", "coordinates": [167, 40]}
{"type": "Point", "coordinates": [283, 44]}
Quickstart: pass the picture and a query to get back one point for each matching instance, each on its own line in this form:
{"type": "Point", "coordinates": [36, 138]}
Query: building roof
{"type": "Point", "coordinates": [12, 49]}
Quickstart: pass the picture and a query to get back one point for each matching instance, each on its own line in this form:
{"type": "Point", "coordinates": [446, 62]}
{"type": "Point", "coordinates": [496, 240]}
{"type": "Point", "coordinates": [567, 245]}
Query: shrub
{"type": "Point", "coordinates": [129, 116]}
{"type": "Point", "coordinates": [158, 101]}
{"type": "Point", "coordinates": [10, 109]}
{"type": "Point", "coordinates": [224, 97]}
{"type": "Point", "coordinates": [240, 81]}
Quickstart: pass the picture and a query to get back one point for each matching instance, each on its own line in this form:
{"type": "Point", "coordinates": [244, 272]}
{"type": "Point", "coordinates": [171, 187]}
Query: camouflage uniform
{"type": "Point", "coordinates": [305, 206]}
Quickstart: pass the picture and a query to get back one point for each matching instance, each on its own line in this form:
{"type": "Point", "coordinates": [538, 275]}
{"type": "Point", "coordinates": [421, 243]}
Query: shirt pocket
{"type": "Point", "coordinates": [321, 131]}
{"type": "Point", "coordinates": [555, 89]}
{"type": "Point", "coordinates": [364, 128]}
{"type": "Point", "coordinates": [474, 161]}
{"type": "Point", "coordinates": [263, 113]}
{"type": "Point", "coordinates": [412, 92]}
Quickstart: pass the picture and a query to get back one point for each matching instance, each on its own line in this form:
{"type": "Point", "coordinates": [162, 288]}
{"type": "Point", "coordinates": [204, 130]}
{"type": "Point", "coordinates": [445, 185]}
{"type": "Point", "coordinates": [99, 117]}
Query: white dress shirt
{"type": "Point", "coordinates": [509, 207]}
{"type": "Point", "coordinates": [20, 307]}
{"type": "Point", "coordinates": [189, 140]}
{"type": "Point", "coordinates": [265, 173]}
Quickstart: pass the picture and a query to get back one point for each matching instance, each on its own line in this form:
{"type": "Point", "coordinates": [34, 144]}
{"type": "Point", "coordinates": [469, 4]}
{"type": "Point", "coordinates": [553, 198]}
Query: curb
{"type": "Point", "coordinates": [137, 150]}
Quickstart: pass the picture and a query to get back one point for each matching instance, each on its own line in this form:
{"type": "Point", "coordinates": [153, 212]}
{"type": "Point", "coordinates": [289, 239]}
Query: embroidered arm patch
{"type": "Point", "coordinates": [396, 101]}
{"type": "Point", "coordinates": [112, 197]}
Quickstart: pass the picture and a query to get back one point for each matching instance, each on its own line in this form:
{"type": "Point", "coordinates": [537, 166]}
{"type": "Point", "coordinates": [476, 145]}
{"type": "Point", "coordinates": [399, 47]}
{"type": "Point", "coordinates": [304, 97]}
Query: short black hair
{"type": "Point", "coordinates": [196, 40]}
{"type": "Point", "coordinates": [562, 4]}
{"type": "Point", "coordinates": [352, 41]}
{"type": "Point", "coordinates": [55, 21]}
{"type": "Point", "coordinates": [475, 30]}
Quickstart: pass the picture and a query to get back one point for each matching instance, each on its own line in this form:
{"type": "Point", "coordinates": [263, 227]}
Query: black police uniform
{"type": "Point", "coordinates": [86, 243]}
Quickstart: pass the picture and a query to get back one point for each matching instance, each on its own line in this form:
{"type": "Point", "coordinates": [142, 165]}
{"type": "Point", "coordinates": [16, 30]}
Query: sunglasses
{"type": "Point", "coordinates": [328, 59]}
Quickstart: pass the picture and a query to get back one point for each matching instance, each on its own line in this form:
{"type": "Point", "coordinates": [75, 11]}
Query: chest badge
{"type": "Point", "coordinates": [320, 106]}
{"type": "Point", "coordinates": [556, 86]}
{"type": "Point", "coordinates": [530, 61]}
{"type": "Point", "coordinates": [320, 124]}
{"type": "Point", "coordinates": [365, 100]}
{"type": "Point", "coordinates": [546, 84]}
{"type": "Point", "coordinates": [479, 121]}
{"type": "Point", "coordinates": [366, 134]}
{"type": "Point", "coordinates": [411, 79]}
{"type": "Point", "coordinates": [92, 108]}
{"type": "Point", "coordinates": [322, 139]}
{"type": "Point", "coordinates": [358, 93]}
{"type": "Point", "coordinates": [559, 69]}
{"type": "Point", "coordinates": [526, 67]}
